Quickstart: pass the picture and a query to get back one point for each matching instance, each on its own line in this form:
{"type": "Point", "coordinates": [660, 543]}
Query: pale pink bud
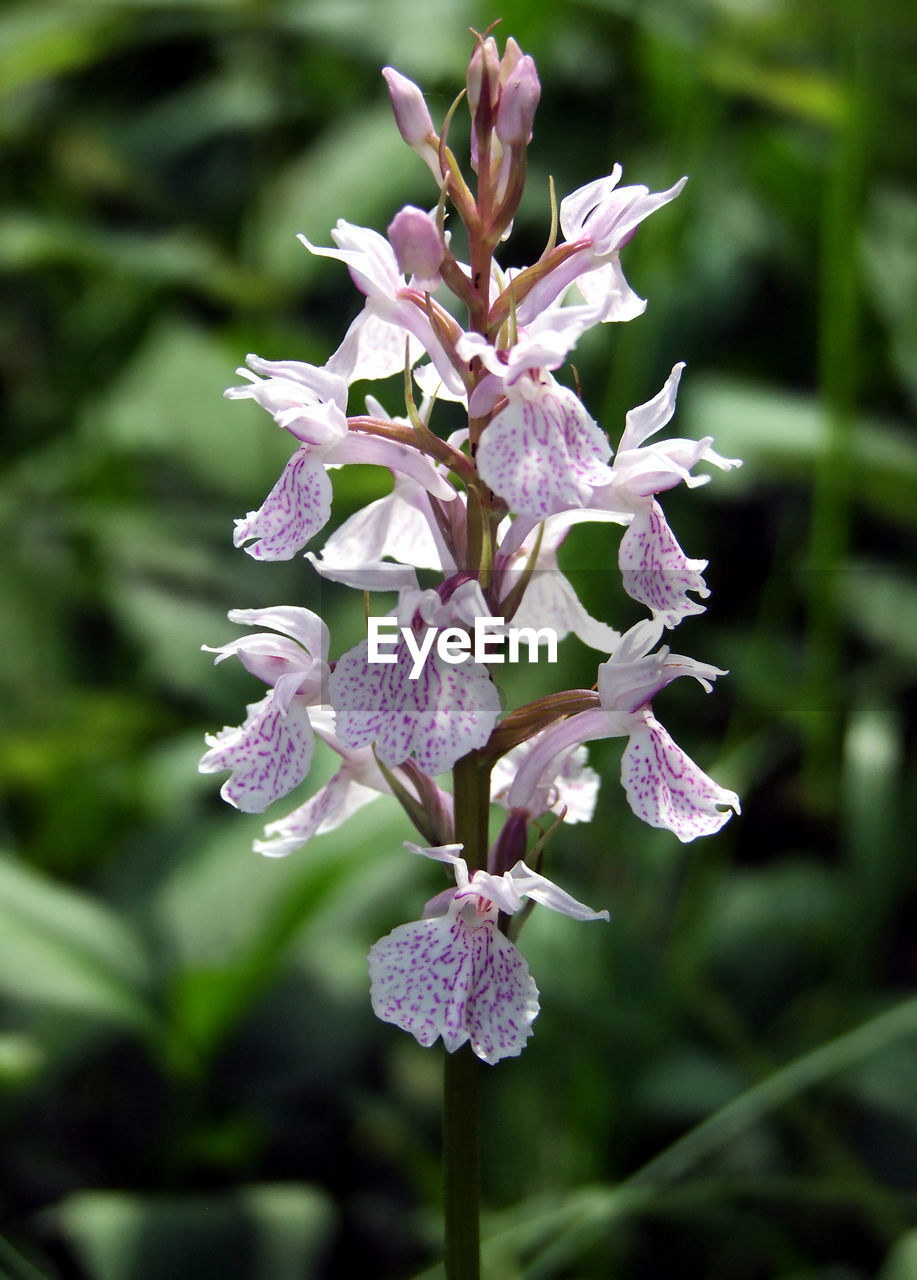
{"type": "Point", "coordinates": [484, 65]}
{"type": "Point", "coordinates": [418, 245]}
{"type": "Point", "coordinates": [410, 107]}
{"type": "Point", "coordinates": [518, 101]}
{"type": "Point", "coordinates": [511, 59]}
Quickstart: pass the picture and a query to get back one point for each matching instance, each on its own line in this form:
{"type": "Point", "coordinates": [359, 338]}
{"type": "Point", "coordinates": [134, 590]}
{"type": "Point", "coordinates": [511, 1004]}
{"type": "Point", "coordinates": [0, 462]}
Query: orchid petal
{"type": "Point", "coordinates": [332, 805]}
{"type": "Point", "coordinates": [300, 624]}
{"type": "Point", "coordinates": [266, 656]}
{"type": "Point", "coordinates": [543, 453]}
{"type": "Point", "coordinates": [550, 601]}
{"type": "Point", "coordinates": [298, 506]}
{"type": "Point", "coordinates": [371, 575]}
{"type": "Point", "coordinates": [529, 884]}
{"type": "Point", "coordinates": [269, 754]}
{"type": "Point", "coordinates": [395, 526]}
{"type": "Point", "coordinates": [400, 458]}
{"type": "Point", "coordinates": [570, 786]}
{"type": "Point", "coordinates": [305, 400]}
{"type": "Point", "coordinates": [436, 719]}
{"type": "Point", "coordinates": [458, 978]}
{"type": "Point", "coordinates": [656, 571]}
{"type": "Point", "coordinates": [666, 788]}
{"type": "Point", "coordinates": [606, 288]}
{"type": "Point", "coordinates": [525, 792]}
{"type": "Point", "coordinates": [372, 349]}
{"type": "Point", "coordinates": [646, 419]}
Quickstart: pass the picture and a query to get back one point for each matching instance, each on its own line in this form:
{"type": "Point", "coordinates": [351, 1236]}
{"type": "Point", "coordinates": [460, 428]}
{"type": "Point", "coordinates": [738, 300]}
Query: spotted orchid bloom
{"type": "Point", "coordinates": [434, 718]}
{"type": "Point", "coordinates": [480, 485]}
{"type": "Point", "coordinates": [548, 457]}
{"type": "Point", "coordinates": [655, 569]}
{"type": "Point", "coordinates": [271, 752]}
{"type": "Point", "coordinates": [568, 787]}
{"type": "Point", "coordinates": [358, 781]}
{"type": "Point", "coordinates": [663, 786]}
{"type": "Point", "coordinates": [453, 973]}
{"type": "Point", "coordinates": [310, 403]}
{"type": "Point", "coordinates": [374, 269]}
{"type": "Point", "coordinates": [598, 220]}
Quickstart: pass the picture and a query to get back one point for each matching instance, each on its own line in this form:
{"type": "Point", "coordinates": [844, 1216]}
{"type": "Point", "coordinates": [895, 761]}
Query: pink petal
{"type": "Point", "coordinates": [297, 507]}
{"type": "Point", "coordinates": [264, 655]}
{"type": "Point", "coordinates": [569, 784]}
{"type": "Point", "coordinates": [647, 419]}
{"type": "Point", "coordinates": [606, 285]}
{"type": "Point", "coordinates": [445, 977]}
{"type": "Point", "coordinates": [550, 601]}
{"type": "Point", "coordinates": [269, 754]}
{"type": "Point", "coordinates": [372, 348]}
{"type": "Point", "coordinates": [300, 624]}
{"type": "Point", "coordinates": [399, 525]}
{"type": "Point", "coordinates": [543, 453]}
{"type": "Point", "coordinates": [656, 571]}
{"type": "Point", "coordinates": [666, 788]}
{"type": "Point", "coordinates": [437, 718]}
{"type": "Point", "coordinates": [327, 809]}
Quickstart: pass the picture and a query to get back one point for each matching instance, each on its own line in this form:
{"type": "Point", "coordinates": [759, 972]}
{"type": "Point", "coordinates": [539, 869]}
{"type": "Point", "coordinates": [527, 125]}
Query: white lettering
{"type": "Point", "coordinates": [418, 652]}
{"type": "Point", "coordinates": [375, 638]}
{"type": "Point", "coordinates": [454, 645]}
{"type": "Point", "coordinates": [533, 638]}
{"type": "Point", "coordinates": [482, 638]}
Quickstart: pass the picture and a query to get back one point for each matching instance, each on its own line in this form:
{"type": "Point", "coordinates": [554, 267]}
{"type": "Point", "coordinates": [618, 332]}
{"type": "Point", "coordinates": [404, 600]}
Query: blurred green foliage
{"type": "Point", "coordinates": [722, 1082]}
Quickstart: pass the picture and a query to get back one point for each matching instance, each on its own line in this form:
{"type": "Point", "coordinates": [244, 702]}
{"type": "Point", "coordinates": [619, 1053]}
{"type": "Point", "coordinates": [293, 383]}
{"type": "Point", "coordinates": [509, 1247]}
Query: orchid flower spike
{"type": "Point", "coordinates": [453, 973]}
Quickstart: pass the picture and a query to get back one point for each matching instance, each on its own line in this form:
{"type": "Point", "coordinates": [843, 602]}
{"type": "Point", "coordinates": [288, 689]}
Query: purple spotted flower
{"type": "Point", "coordinates": [434, 716]}
{"type": "Point", "coordinates": [664, 787]}
{"type": "Point", "coordinates": [467, 525]}
{"type": "Point", "coordinates": [453, 973]}
{"type": "Point", "coordinates": [271, 752]}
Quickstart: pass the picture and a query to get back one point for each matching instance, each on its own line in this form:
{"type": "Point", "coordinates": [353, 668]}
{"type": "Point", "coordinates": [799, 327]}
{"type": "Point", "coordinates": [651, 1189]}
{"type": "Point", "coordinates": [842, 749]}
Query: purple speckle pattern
{"type": "Point", "coordinates": [656, 571]}
{"type": "Point", "coordinates": [543, 453]}
{"type": "Point", "coordinates": [462, 981]}
{"type": "Point", "coordinates": [269, 754]}
{"type": "Point", "coordinates": [437, 718]}
{"type": "Point", "coordinates": [666, 788]}
{"type": "Point", "coordinates": [297, 507]}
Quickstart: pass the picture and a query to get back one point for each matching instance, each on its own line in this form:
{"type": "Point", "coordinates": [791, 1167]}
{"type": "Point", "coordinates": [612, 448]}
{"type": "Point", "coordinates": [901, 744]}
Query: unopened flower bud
{"type": "Point", "coordinates": [418, 245]}
{"type": "Point", "coordinates": [410, 107]}
{"type": "Point", "coordinates": [484, 67]}
{"type": "Point", "coordinates": [518, 101]}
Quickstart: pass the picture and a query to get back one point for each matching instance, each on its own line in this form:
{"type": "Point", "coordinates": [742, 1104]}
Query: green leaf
{"type": "Point", "coordinates": [901, 1263]}
{"type": "Point", "coordinates": [360, 170]}
{"type": "Point", "coordinates": [882, 606]}
{"type": "Point", "coordinates": [169, 401]}
{"type": "Point", "coordinates": [38, 42]}
{"type": "Point", "coordinates": [779, 436]}
{"type": "Point", "coordinates": [60, 949]}
{"type": "Point", "coordinates": [429, 39]}
{"type": "Point", "coordinates": [177, 257]}
{"type": "Point", "coordinates": [222, 961]}
{"type": "Point", "coordinates": [279, 1231]}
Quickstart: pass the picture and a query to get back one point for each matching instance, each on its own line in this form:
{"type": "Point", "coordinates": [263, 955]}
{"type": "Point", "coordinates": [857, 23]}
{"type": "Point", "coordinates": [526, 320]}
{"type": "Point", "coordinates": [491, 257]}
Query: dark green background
{"type": "Point", "coordinates": [191, 1079]}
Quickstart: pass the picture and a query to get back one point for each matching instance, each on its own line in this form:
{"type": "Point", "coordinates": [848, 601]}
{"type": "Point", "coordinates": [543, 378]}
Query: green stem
{"type": "Point", "coordinates": [461, 1191]}
{"type": "Point", "coordinates": [461, 1165]}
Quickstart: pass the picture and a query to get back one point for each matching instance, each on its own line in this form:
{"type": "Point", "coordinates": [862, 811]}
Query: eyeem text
{"type": "Point", "coordinates": [456, 645]}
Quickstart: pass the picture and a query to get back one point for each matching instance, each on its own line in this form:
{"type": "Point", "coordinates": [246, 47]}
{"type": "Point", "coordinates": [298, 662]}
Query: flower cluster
{"type": "Point", "coordinates": [487, 507]}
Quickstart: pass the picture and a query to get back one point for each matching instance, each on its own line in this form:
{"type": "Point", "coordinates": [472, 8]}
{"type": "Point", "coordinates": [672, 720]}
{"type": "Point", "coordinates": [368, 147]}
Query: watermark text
{"type": "Point", "coordinates": [456, 645]}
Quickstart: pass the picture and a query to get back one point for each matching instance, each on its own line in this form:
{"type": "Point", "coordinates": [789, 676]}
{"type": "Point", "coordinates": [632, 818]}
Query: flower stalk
{"type": "Point", "coordinates": [487, 508]}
